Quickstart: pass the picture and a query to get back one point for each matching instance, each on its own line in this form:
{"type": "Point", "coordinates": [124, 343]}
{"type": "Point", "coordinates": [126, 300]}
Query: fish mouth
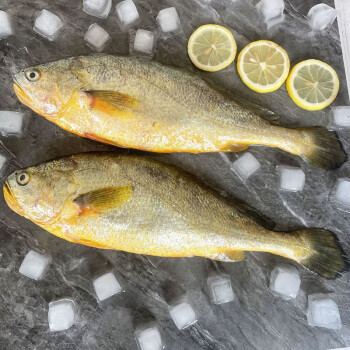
{"type": "Point", "coordinates": [22, 96]}
{"type": "Point", "coordinates": [11, 200]}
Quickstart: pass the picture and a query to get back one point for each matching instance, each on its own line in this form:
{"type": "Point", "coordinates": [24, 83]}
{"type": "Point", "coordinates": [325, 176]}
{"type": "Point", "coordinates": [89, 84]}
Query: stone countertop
{"type": "Point", "coordinates": [257, 319]}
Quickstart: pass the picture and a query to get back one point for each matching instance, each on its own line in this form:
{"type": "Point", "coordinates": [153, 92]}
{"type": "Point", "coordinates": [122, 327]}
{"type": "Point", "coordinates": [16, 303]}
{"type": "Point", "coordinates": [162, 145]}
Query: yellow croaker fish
{"type": "Point", "coordinates": [129, 102]}
{"type": "Point", "coordinates": [141, 206]}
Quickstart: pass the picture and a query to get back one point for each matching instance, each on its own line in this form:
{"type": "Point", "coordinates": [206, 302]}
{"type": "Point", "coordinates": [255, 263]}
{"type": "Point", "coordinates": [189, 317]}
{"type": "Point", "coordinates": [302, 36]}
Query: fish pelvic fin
{"type": "Point", "coordinates": [229, 256]}
{"type": "Point", "coordinates": [325, 149]}
{"type": "Point", "coordinates": [323, 253]}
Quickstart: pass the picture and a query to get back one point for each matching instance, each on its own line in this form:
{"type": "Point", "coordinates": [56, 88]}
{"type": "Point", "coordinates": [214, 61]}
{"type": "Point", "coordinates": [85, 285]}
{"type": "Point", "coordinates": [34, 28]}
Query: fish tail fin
{"type": "Point", "coordinates": [324, 149]}
{"type": "Point", "coordinates": [323, 254]}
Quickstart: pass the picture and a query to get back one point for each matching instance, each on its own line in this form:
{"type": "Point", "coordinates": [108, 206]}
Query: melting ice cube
{"type": "Point", "coordinates": [220, 289]}
{"type": "Point", "coordinates": [291, 179]}
{"type": "Point", "coordinates": [321, 16]}
{"type": "Point", "coordinates": [97, 8]}
{"type": "Point", "coordinates": [183, 315]}
{"type": "Point", "coordinates": [47, 24]}
{"type": "Point", "coordinates": [11, 122]}
{"type": "Point", "coordinates": [96, 37]}
{"type": "Point", "coordinates": [144, 42]}
{"type": "Point", "coordinates": [285, 281]}
{"type": "Point", "coordinates": [341, 116]}
{"type": "Point", "coordinates": [61, 315]}
{"type": "Point", "coordinates": [271, 10]}
{"type": "Point", "coordinates": [34, 265]}
{"type": "Point", "coordinates": [323, 312]}
{"type": "Point", "coordinates": [106, 286]}
{"type": "Point", "coordinates": [342, 192]}
{"type": "Point", "coordinates": [5, 25]}
{"type": "Point", "coordinates": [149, 339]}
{"type": "Point", "coordinates": [169, 21]}
{"type": "Point", "coordinates": [127, 14]}
{"type": "Point", "coordinates": [245, 165]}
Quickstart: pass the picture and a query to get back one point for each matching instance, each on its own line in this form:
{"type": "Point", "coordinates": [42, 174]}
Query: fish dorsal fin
{"type": "Point", "coordinates": [229, 256]}
{"type": "Point", "coordinates": [253, 213]}
{"type": "Point", "coordinates": [103, 199]}
{"type": "Point", "coordinates": [261, 111]}
{"type": "Point", "coordinates": [114, 98]}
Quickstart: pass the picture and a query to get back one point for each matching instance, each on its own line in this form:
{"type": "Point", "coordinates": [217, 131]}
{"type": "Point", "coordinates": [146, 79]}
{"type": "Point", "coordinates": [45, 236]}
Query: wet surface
{"type": "Point", "coordinates": [256, 319]}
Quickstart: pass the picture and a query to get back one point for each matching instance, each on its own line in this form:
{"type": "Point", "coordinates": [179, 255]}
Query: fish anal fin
{"type": "Point", "coordinates": [90, 243]}
{"type": "Point", "coordinates": [114, 98]}
{"type": "Point", "coordinates": [236, 148]}
{"type": "Point", "coordinates": [229, 256]}
{"type": "Point", "coordinates": [97, 138]}
{"type": "Point", "coordinates": [108, 198]}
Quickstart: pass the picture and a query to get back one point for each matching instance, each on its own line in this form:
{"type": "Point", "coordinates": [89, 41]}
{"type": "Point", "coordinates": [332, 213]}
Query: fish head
{"type": "Point", "coordinates": [47, 88]}
{"type": "Point", "coordinates": [40, 193]}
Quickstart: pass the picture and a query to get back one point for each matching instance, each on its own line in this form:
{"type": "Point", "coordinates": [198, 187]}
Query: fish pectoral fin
{"type": "Point", "coordinates": [114, 98]}
{"type": "Point", "coordinates": [229, 256]}
{"type": "Point", "coordinates": [103, 199]}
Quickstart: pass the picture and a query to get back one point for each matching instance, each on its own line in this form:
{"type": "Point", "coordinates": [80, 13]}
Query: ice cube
{"type": "Point", "coordinates": [97, 8]}
{"type": "Point", "coordinates": [144, 42]}
{"type": "Point", "coordinates": [127, 14]}
{"type": "Point", "coordinates": [11, 122]}
{"type": "Point", "coordinates": [245, 165]}
{"type": "Point", "coordinates": [341, 116]}
{"type": "Point", "coordinates": [106, 286]}
{"type": "Point", "coordinates": [285, 281]}
{"type": "Point", "coordinates": [183, 315]}
{"type": "Point", "coordinates": [274, 21]}
{"type": "Point", "coordinates": [34, 265]}
{"type": "Point", "coordinates": [342, 192]}
{"type": "Point", "coordinates": [61, 314]}
{"type": "Point", "coordinates": [323, 312]}
{"type": "Point", "coordinates": [169, 21]}
{"type": "Point", "coordinates": [321, 16]}
{"type": "Point", "coordinates": [220, 289]}
{"type": "Point", "coordinates": [96, 37]}
{"type": "Point", "coordinates": [271, 9]}
{"type": "Point", "coordinates": [2, 162]}
{"type": "Point", "coordinates": [47, 24]}
{"type": "Point", "coordinates": [5, 25]}
{"type": "Point", "coordinates": [149, 338]}
{"type": "Point", "coordinates": [291, 179]}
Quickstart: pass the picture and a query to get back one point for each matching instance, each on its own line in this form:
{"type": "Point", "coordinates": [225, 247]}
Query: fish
{"type": "Point", "coordinates": [135, 103]}
{"type": "Point", "coordinates": [139, 205]}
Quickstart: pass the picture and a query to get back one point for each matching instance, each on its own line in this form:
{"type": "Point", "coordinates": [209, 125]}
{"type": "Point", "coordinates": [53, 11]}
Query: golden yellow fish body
{"type": "Point", "coordinates": [139, 205]}
{"type": "Point", "coordinates": [132, 103]}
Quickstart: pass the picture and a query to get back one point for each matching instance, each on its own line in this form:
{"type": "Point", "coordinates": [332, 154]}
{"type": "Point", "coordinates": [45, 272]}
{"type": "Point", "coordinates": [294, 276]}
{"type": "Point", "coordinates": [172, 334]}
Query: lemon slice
{"type": "Point", "coordinates": [212, 47]}
{"type": "Point", "coordinates": [263, 66]}
{"type": "Point", "coordinates": [313, 84]}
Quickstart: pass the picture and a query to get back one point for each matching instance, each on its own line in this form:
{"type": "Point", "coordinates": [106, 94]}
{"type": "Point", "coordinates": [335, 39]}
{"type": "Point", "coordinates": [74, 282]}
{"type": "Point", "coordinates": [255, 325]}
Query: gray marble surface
{"type": "Point", "coordinates": [256, 319]}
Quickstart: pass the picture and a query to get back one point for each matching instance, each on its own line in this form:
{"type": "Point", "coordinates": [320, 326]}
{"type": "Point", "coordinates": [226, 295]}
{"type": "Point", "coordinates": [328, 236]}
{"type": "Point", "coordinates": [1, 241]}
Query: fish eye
{"type": "Point", "coordinates": [22, 178]}
{"type": "Point", "coordinates": [32, 74]}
